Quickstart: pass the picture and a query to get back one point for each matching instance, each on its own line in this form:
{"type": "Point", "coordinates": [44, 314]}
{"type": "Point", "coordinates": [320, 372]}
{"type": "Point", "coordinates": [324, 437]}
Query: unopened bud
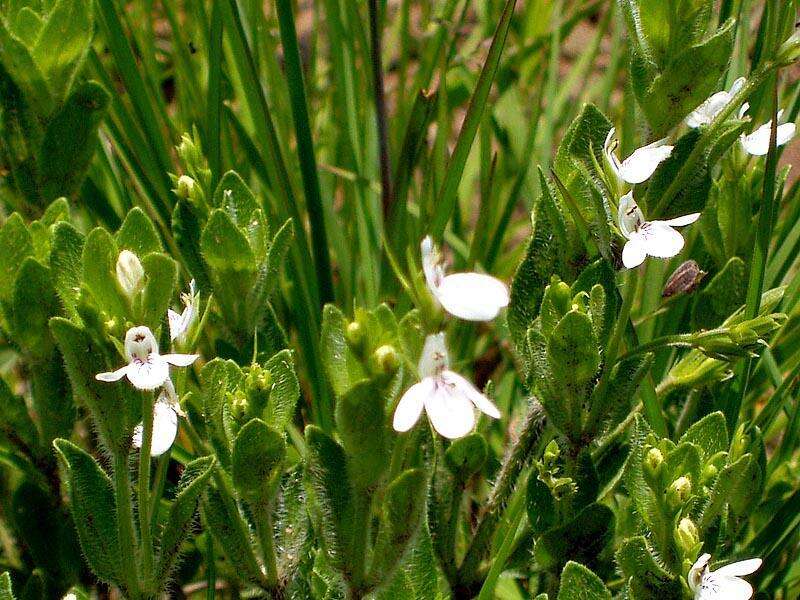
{"type": "Point", "coordinates": [684, 280]}
{"type": "Point", "coordinates": [130, 273]}
{"type": "Point", "coordinates": [709, 472]}
{"type": "Point", "coordinates": [686, 535]}
{"type": "Point", "coordinates": [184, 186]}
{"type": "Point", "coordinates": [355, 335]}
{"type": "Point", "coordinates": [789, 51]}
{"type": "Point", "coordinates": [385, 359]}
{"type": "Point", "coordinates": [653, 466]}
{"type": "Point", "coordinates": [679, 493]}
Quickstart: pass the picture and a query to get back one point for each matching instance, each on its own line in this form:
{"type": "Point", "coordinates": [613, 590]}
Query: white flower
{"type": "Point", "coordinates": [179, 323]}
{"type": "Point", "coordinates": [469, 296]}
{"type": "Point", "coordinates": [448, 398]}
{"type": "Point", "coordinates": [130, 273]}
{"type": "Point", "coordinates": [640, 165]}
{"type": "Point", "coordinates": [757, 143]}
{"type": "Point", "coordinates": [165, 427]}
{"type": "Point", "coordinates": [146, 368]}
{"type": "Point", "coordinates": [724, 583]}
{"type": "Point", "coordinates": [708, 110]}
{"type": "Point", "coordinates": [648, 238]}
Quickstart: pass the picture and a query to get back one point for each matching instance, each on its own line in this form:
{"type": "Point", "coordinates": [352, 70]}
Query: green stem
{"type": "Point", "coordinates": [125, 528]}
{"type": "Point", "coordinates": [758, 261]}
{"type": "Point", "coordinates": [144, 490]}
{"type": "Point", "coordinates": [516, 512]}
{"type": "Point", "coordinates": [266, 539]}
{"type": "Point", "coordinates": [387, 198]}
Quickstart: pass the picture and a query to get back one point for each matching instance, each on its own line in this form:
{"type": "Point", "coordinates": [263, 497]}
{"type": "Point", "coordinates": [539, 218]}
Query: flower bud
{"type": "Point", "coordinates": [709, 472]}
{"type": "Point", "coordinates": [130, 273]}
{"type": "Point", "coordinates": [385, 360]}
{"type": "Point", "coordinates": [684, 280]}
{"type": "Point", "coordinates": [653, 467]}
{"type": "Point", "coordinates": [355, 335]}
{"type": "Point", "coordinates": [679, 493]}
{"type": "Point", "coordinates": [686, 535]}
{"type": "Point", "coordinates": [551, 453]}
{"type": "Point", "coordinates": [789, 51]}
{"type": "Point", "coordinates": [184, 186]}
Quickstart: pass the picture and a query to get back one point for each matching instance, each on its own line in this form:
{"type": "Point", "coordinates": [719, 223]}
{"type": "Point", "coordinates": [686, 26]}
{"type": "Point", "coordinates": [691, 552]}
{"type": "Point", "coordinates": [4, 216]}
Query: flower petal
{"type": "Point", "coordinates": [165, 429]}
{"type": "Point", "coordinates": [723, 588]}
{"type": "Point", "coordinates": [180, 360]}
{"type": "Point", "coordinates": [431, 263]}
{"type": "Point", "coordinates": [757, 143]}
{"type": "Point", "coordinates": [661, 240]}
{"type": "Point", "coordinates": [410, 406]}
{"type": "Point", "coordinates": [451, 413]}
{"type": "Point", "coordinates": [737, 569]}
{"type": "Point", "coordinates": [472, 296]}
{"type": "Point", "coordinates": [177, 324]}
{"type": "Point", "coordinates": [150, 374]}
{"type": "Point", "coordinates": [634, 253]}
{"type": "Point", "coordinates": [629, 215]}
{"type": "Point", "coordinates": [464, 386]}
{"type": "Point", "coordinates": [434, 356]}
{"type": "Point", "coordinates": [112, 375]}
{"type": "Point", "coordinates": [640, 165]}
{"type": "Point", "coordinates": [682, 221]}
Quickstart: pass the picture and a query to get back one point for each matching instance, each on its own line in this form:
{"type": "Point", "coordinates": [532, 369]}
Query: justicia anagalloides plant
{"type": "Point", "coordinates": [724, 583]}
{"type": "Point", "coordinates": [468, 296]}
{"type": "Point", "coordinates": [757, 142]}
{"type": "Point", "coordinates": [147, 369]}
{"type": "Point", "coordinates": [448, 398]}
{"type": "Point", "coordinates": [711, 107]}
{"type": "Point", "coordinates": [641, 164]}
{"type": "Point", "coordinates": [645, 238]}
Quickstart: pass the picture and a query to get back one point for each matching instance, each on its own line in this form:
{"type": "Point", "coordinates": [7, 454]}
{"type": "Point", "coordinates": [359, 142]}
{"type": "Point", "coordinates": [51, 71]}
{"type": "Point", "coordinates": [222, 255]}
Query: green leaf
{"type": "Point", "coordinates": [15, 422]}
{"type": "Point", "coordinates": [162, 275]}
{"type": "Point", "coordinates": [647, 579]}
{"type": "Point", "coordinates": [582, 538]}
{"type": "Point", "coordinates": [65, 265]}
{"type": "Point", "coordinates": [233, 195]}
{"type": "Point", "coordinates": [224, 246]}
{"type": "Point", "coordinates": [691, 76]}
{"type": "Point", "coordinates": [27, 25]}
{"type": "Point", "coordinates": [91, 498]}
{"type": "Point", "coordinates": [710, 434]}
{"type": "Point", "coordinates": [25, 73]}
{"type": "Point", "coordinates": [540, 505]}
{"type": "Point", "coordinates": [109, 403]}
{"type": "Point", "coordinates": [331, 502]}
{"type": "Point", "coordinates": [15, 245]}
{"type": "Point", "coordinates": [186, 227]}
{"type": "Point", "coordinates": [231, 533]}
{"type": "Point", "coordinates": [579, 583]}
{"type": "Point", "coordinates": [543, 259]}
{"type": "Point", "coordinates": [268, 274]}
{"type": "Point", "coordinates": [34, 303]}
{"type": "Point", "coordinates": [285, 390]}
{"type": "Point", "coordinates": [466, 456]}
{"type": "Point", "coordinates": [193, 482]}
{"type": "Point", "coordinates": [70, 140]}
{"type": "Point", "coordinates": [360, 422]}
{"type": "Point", "coordinates": [722, 296]}
{"type": "Point", "coordinates": [693, 196]}
{"type": "Point", "coordinates": [258, 454]}
{"type": "Point", "coordinates": [99, 260]}
{"type": "Point", "coordinates": [138, 234]}
{"type": "Point", "coordinates": [402, 513]}
{"type": "Point", "coordinates": [63, 42]}
{"type": "Point", "coordinates": [616, 403]}
{"type": "Point", "coordinates": [342, 365]}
